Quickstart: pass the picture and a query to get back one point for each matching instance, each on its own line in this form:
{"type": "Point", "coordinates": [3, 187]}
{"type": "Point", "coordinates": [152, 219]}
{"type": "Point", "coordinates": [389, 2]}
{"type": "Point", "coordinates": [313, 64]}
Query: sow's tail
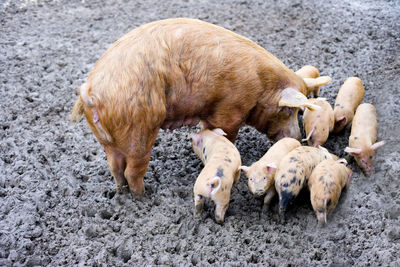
{"type": "Point", "coordinates": [77, 111]}
{"type": "Point", "coordinates": [84, 99]}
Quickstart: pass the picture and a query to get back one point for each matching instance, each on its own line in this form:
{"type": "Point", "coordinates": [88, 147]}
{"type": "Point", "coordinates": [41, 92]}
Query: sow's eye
{"type": "Point", "coordinates": [287, 111]}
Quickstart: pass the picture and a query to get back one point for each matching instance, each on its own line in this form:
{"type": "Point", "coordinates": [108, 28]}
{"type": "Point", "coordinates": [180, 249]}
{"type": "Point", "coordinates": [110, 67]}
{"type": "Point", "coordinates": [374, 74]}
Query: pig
{"type": "Point", "coordinates": [309, 71]}
{"type": "Point", "coordinates": [318, 123]}
{"type": "Point", "coordinates": [220, 173]}
{"type": "Point", "coordinates": [261, 174]}
{"type": "Point", "coordinates": [326, 183]}
{"type": "Point", "coordinates": [294, 170]}
{"type": "Point", "coordinates": [362, 140]}
{"type": "Point", "coordinates": [176, 72]}
{"type": "Point", "coordinates": [350, 95]}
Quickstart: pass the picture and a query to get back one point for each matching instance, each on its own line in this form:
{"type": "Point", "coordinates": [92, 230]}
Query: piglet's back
{"type": "Point", "coordinates": [364, 127]}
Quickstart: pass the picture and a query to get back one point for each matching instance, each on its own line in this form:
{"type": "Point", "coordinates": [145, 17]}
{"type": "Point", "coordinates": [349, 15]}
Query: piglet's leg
{"type": "Point", "coordinates": [116, 164]}
{"type": "Point", "coordinates": [198, 203]}
{"type": "Point", "coordinates": [220, 210]}
{"type": "Point", "coordinates": [270, 194]}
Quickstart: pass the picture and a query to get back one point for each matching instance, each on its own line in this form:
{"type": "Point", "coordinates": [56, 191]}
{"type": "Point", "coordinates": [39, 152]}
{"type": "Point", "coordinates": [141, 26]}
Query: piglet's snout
{"type": "Point", "coordinates": [259, 193]}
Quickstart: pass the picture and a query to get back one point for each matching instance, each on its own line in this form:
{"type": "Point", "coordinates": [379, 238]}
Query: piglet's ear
{"type": "Point", "coordinates": [317, 82]}
{"type": "Point", "coordinates": [348, 179]}
{"type": "Point", "coordinates": [244, 168]}
{"type": "Point", "coordinates": [377, 145]}
{"type": "Point", "coordinates": [291, 97]}
{"type": "Point", "coordinates": [341, 120]}
{"type": "Point", "coordinates": [353, 151]}
{"type": "Point", "coordinates": [196, 139]}
{"type": "Point", "coordinates": [219, 131]}
{"type": "Point", "coordinates": [271, 167]}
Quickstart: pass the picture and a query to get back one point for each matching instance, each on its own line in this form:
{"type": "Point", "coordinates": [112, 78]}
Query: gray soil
{"type": "Point", "coordinates": [58, 200]}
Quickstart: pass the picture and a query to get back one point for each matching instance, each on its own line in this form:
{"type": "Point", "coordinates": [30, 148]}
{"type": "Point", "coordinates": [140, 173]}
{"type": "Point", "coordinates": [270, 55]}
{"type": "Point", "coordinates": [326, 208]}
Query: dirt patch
{"type": "Point", "coordinates": [58, 201]}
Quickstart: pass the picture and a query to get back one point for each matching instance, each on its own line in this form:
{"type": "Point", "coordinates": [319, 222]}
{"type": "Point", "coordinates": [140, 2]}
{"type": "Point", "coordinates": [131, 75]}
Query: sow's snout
{"type": "Point", "coordinates": [290, 129]}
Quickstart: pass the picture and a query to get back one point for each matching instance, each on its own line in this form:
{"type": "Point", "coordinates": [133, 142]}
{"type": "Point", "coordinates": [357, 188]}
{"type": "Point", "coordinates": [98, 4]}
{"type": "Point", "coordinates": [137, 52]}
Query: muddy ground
{"type": "Point", "coordinates": [58, 200]}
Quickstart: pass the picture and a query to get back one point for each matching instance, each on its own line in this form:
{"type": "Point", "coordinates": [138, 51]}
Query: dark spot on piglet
{"type": "Point", "coordinates": [204, 150]}
{"type": "Point", "coordinates": [220, 172]}
{"type": "Point", "coordinates": [292, 170]}
{"type": "Point", "coordinates": [287, 197]}
{"type": "Point", "coordinates": [293, 180]}
{"type": "Point", "coordinates": [293, 159]}
{"type": "Point", "coordinates": [285, 185]}
{"type": "Point", "coordinates": [321, 178]}
{"type": "Point", "coordinates": [228, 160]}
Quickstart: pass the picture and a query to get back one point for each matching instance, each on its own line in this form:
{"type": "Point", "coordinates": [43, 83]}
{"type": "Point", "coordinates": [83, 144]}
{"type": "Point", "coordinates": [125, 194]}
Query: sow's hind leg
{"type": "Point", "coordinates": [137, 161]}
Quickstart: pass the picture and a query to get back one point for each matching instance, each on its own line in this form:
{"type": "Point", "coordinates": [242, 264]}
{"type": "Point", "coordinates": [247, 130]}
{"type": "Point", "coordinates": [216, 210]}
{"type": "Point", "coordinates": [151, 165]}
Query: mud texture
{"type": "Point", "coordinates": [58, 201]}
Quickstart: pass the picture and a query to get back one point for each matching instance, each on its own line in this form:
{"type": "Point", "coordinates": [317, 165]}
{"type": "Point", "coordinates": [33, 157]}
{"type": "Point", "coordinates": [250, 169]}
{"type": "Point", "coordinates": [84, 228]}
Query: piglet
{"type": "Point", "coordinates": [326, 184]}
{"type": "Point", "coordinates": [309, 71]}
{"type": "Point", "coordinates": [347, 100]}
{"type": "Point", "coordinates": [363, 137]}
{"type": "Point", "coordinates": [318, 123]}
{"type": "Point", "coordinates": [221, 170]}
{"type": "Point", "coordinates": [294, 170]}
{"type": "Point", "coordinates": [261, 173]}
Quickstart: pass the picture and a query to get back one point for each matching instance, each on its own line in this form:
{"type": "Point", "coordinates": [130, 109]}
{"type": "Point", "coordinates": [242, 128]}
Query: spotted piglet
{"type": "Point", "coordinates": [221, 170]}
{"type": "Point", "coordinates": [294, 170]}
{"type": "Point", "coordinates": [363, 137]}
{"type": "Point", "coordinates": [326, 184]}
{"type": "Point", "coordinates": [261, 173]}
{"type": "Point", "coordinates": [318, 123]}
{"type": "Point", "coordinates": [350, 95]}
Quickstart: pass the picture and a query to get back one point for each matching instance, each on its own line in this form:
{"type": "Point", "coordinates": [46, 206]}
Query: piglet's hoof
{"type": "Point", "coordinates": [219, 219]}
{"type": "Point", "coordinates": [198, 209]}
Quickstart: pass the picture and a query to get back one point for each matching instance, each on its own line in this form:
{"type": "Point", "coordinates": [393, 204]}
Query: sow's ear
{"type": "Point", "coordinates": [317, 82]}
{"type": "Point", "coordinates": [377, 145]}
{"type": "Point", "coordinates": [291, 97]}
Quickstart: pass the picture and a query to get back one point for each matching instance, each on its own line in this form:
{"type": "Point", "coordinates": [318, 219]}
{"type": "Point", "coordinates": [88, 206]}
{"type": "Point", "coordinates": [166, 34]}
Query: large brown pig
{"type": "Point", "coordinates": [177, 72]}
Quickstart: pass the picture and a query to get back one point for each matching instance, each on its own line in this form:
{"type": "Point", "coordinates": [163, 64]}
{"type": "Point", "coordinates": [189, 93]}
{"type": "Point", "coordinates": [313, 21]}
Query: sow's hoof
{"type": "Point", "coordinates": [122, 189]}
